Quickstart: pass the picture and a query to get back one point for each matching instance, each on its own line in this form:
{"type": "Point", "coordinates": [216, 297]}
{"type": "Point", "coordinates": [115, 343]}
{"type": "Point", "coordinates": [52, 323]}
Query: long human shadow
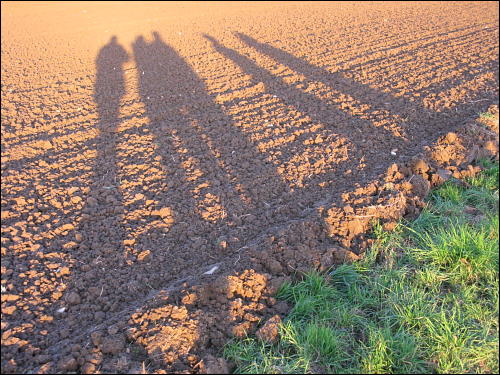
{"type": "Point", "coordinates": [419, 120]}
{"type": "Point", "coordinates": [217, 182]}
{"type": "Point", "coordinates": [191, 138]}
{"type": "Point", "coordinates": [335, 81]}
{"type": "Point", "coordinates": [100, 249]}
{"type": "Point", "coordinates": [215, 179]}
{"type": "Point", "coordinates": [77, 230]}
{"type": "Point", "coordinates": [407, 43]}
{"type": "Point", "coordinates": [361, 133]}
{"type": "Point", "coordinates": [87, 285]}
{"type": "Point", "coordinates": [101, 229]}
{"type": "Point", "coordinates": [156, 59]}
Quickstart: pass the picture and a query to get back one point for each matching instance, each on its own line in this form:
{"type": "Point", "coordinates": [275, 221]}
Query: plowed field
{"type": "Point", "coordinates": [165, 166]}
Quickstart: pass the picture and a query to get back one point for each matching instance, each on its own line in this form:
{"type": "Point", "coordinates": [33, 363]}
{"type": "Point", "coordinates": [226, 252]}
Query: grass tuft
{"type": "Point", "coordinates": [425, 299]}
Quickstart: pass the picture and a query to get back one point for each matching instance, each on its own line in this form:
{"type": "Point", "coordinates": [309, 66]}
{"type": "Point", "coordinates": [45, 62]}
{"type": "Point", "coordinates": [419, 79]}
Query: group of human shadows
{"type": "Point", "coordinates": [168, 84]}
{"type": "Point", "coordinates": [177, 102]}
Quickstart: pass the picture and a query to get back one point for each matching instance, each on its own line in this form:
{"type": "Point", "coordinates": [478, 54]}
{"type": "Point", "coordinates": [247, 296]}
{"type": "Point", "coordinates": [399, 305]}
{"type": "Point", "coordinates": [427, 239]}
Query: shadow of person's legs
{"type": "Point", "coordinates": [217, 180]}
{"type": "Point", "coordinates": [418, 123]}
{"type": "Point", "coordinates": [358, 133]}
{"type": "Point", "coordinates": [80, 231]}
{"type": "Point", "coordinates": [100, 247]}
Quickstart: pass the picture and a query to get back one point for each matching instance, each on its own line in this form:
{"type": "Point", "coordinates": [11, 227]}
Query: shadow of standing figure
{"type": "Point", "coordinates": [211, 183]}
{"type": "Point", "coordinates": [110, 83]}
{"type": "Point", "coordinates": [101, 246]}
{"type": "Point", "coordinates": [92, 292]}
{"type": "Point", "coordinates": [101, 230]}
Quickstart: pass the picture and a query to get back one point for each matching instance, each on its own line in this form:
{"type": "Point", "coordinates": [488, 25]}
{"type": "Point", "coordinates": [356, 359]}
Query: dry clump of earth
{"type": "Point", "coordinates": [166, 168]}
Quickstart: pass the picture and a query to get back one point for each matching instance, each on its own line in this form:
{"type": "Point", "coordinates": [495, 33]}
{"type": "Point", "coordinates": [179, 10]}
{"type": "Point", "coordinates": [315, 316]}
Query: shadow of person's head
{"type": "Point", "coordinates": [156, 36]}
{"type": "Point", "coordinates": [210, 38]}
{"type": "Point", "coordinates": [109, 85]}
{"type": "Point", "coordinates": [139, 42]}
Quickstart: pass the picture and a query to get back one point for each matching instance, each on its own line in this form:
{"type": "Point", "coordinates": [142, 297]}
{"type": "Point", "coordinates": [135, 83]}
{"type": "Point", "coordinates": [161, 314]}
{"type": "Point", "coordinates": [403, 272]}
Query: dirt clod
{"type": "Point", "coordinates": [164, 178]}
{"type": "Point", "coordinates": [213, 365]}
{"type": "Point", "coordinates": [144, 256]}
{"type": "Point", "coordinates": [112, 344]}
{"type": "Point", "coordinates": [67, 364]}
{"type": "Point", "coordinates": [421, 186]}
{"type": "Point", "coordinates": [92, 202]}
{"type": "Point", "coordinates": [269, 332]}
{"type": "Point", "coordinates": [73, 298]}
{"type": "Point", "coordinates": [96, 338]}
{"type": "Point", "coordinates": [341, 255]}
{"type": "Point", "coordinates": [88, 368]}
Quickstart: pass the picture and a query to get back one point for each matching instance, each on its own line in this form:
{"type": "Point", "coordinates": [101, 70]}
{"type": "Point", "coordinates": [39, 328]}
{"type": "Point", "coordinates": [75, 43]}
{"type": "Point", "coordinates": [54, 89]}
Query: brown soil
{"type": "Point", "coordinates": [166, 166]}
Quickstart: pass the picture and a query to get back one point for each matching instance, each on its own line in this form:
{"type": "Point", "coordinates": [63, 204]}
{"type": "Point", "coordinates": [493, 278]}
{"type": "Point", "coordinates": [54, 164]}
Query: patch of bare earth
{"type": "Point", "coordinates": [165, 167]}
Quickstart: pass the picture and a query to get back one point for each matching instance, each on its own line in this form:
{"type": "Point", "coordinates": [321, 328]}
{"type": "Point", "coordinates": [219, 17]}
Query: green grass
{"type": "Point", "coordinates": [487, 115]}
{"type": "Point", "coordinates": [424, 299]}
